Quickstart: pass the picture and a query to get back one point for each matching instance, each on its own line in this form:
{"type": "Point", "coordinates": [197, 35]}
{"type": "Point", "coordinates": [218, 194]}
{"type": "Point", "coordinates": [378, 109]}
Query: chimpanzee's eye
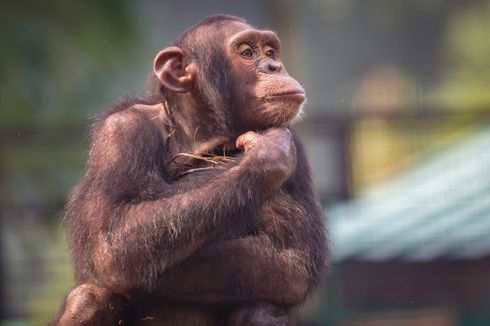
{"type": "Point", "coordinates": [271, 54]}
{"type": "Point", "coordinates": [246, 51]}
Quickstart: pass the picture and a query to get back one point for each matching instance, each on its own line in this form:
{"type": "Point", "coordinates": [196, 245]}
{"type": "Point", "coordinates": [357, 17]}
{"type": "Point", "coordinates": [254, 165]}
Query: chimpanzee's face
{"type": "Point", "coordinates": [264, 94]}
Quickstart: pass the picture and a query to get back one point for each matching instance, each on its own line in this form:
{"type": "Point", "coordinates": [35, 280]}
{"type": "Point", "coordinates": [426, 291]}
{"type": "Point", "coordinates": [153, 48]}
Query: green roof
{"type": "Point", "coordinates": [439, 209]}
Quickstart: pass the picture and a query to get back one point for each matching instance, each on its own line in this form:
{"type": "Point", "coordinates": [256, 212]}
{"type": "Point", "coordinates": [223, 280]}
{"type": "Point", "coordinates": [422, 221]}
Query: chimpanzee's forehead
{"type": "Point", "coordinates": [233, 27]}
{"type": "Point", "coordinates": [237, 32]}
{"type": "Point", "coordinates": [254, 36]}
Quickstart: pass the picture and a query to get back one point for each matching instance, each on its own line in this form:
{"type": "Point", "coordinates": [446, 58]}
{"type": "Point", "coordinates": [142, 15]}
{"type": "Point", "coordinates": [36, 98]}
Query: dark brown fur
{"type": "Point", "coordinates": [156, 242]}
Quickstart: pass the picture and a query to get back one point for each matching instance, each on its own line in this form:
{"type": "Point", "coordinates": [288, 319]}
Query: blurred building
{"type": "Point", "coordinates": [415, 250]}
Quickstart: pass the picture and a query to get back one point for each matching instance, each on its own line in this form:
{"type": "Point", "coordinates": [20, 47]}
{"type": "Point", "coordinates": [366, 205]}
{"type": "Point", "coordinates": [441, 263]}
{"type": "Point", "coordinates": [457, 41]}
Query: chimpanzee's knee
{"type": "Point", "coordinates": [88, 304]}
{"type": "Point", "coordinates": [258, 314]}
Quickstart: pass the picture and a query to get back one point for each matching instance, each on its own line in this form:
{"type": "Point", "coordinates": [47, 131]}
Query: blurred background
{"type": "Point", "coordinates": [396, 127]}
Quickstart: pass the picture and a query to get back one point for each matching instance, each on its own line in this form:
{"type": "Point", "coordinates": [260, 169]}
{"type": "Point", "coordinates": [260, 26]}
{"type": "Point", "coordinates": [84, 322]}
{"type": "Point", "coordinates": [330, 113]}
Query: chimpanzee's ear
{"type": "Point", "coordinates": [173, 71]}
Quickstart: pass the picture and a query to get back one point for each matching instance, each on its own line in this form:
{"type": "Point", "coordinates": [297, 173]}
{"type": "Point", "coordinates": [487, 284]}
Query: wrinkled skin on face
{"type": "Point", "coordinates": [265, 95]}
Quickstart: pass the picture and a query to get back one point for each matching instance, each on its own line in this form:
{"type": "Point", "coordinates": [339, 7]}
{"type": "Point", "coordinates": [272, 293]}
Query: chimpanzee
{"type": "Point", "coordinates": [197, 206]}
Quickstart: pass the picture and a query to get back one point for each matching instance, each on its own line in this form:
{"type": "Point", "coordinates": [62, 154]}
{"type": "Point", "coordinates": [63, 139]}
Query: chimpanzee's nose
{"type": "Point", "coordinates": [270, 66]}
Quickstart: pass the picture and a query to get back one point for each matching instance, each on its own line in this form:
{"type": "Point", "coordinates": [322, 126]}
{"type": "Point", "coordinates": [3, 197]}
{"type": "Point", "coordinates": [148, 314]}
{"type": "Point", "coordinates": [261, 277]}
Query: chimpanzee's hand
{"type": "Point", "coordinates": [272, 154]}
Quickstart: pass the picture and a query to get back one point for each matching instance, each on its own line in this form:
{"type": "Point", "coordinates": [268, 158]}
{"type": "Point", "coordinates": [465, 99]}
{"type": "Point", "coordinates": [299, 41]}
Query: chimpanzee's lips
{"type": "Point", "coordinates": [294, 94]}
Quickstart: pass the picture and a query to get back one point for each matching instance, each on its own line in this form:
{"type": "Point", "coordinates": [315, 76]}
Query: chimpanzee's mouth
{"type": "Point", "coordinates": [294, 94]}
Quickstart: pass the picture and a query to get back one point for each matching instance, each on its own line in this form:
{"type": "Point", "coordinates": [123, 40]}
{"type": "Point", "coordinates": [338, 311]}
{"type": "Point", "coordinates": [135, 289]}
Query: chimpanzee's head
{"type": "Point", "coordinates": [232, 71]}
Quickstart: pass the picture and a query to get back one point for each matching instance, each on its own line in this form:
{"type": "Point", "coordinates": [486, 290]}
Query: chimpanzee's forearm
{"type": "Point", "coordinates": [239, 270]}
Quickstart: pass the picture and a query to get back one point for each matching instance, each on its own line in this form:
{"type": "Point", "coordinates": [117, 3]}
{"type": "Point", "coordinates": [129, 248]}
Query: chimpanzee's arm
{"type": "Point", "coordinates": [128, 224]}
{"type": "Point", "coordinates": [279, 265]}
{"type": "Point", "coordinates": [237, 271]}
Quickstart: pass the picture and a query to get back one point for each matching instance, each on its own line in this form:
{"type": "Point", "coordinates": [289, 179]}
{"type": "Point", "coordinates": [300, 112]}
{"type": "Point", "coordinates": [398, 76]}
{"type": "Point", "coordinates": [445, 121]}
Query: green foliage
{"type": "Point", "coordinates": [59, 61]}
{"type": "Point", "coordinates": [51, 52]}
{"type": "Point", "coordinates": [465, 61]}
